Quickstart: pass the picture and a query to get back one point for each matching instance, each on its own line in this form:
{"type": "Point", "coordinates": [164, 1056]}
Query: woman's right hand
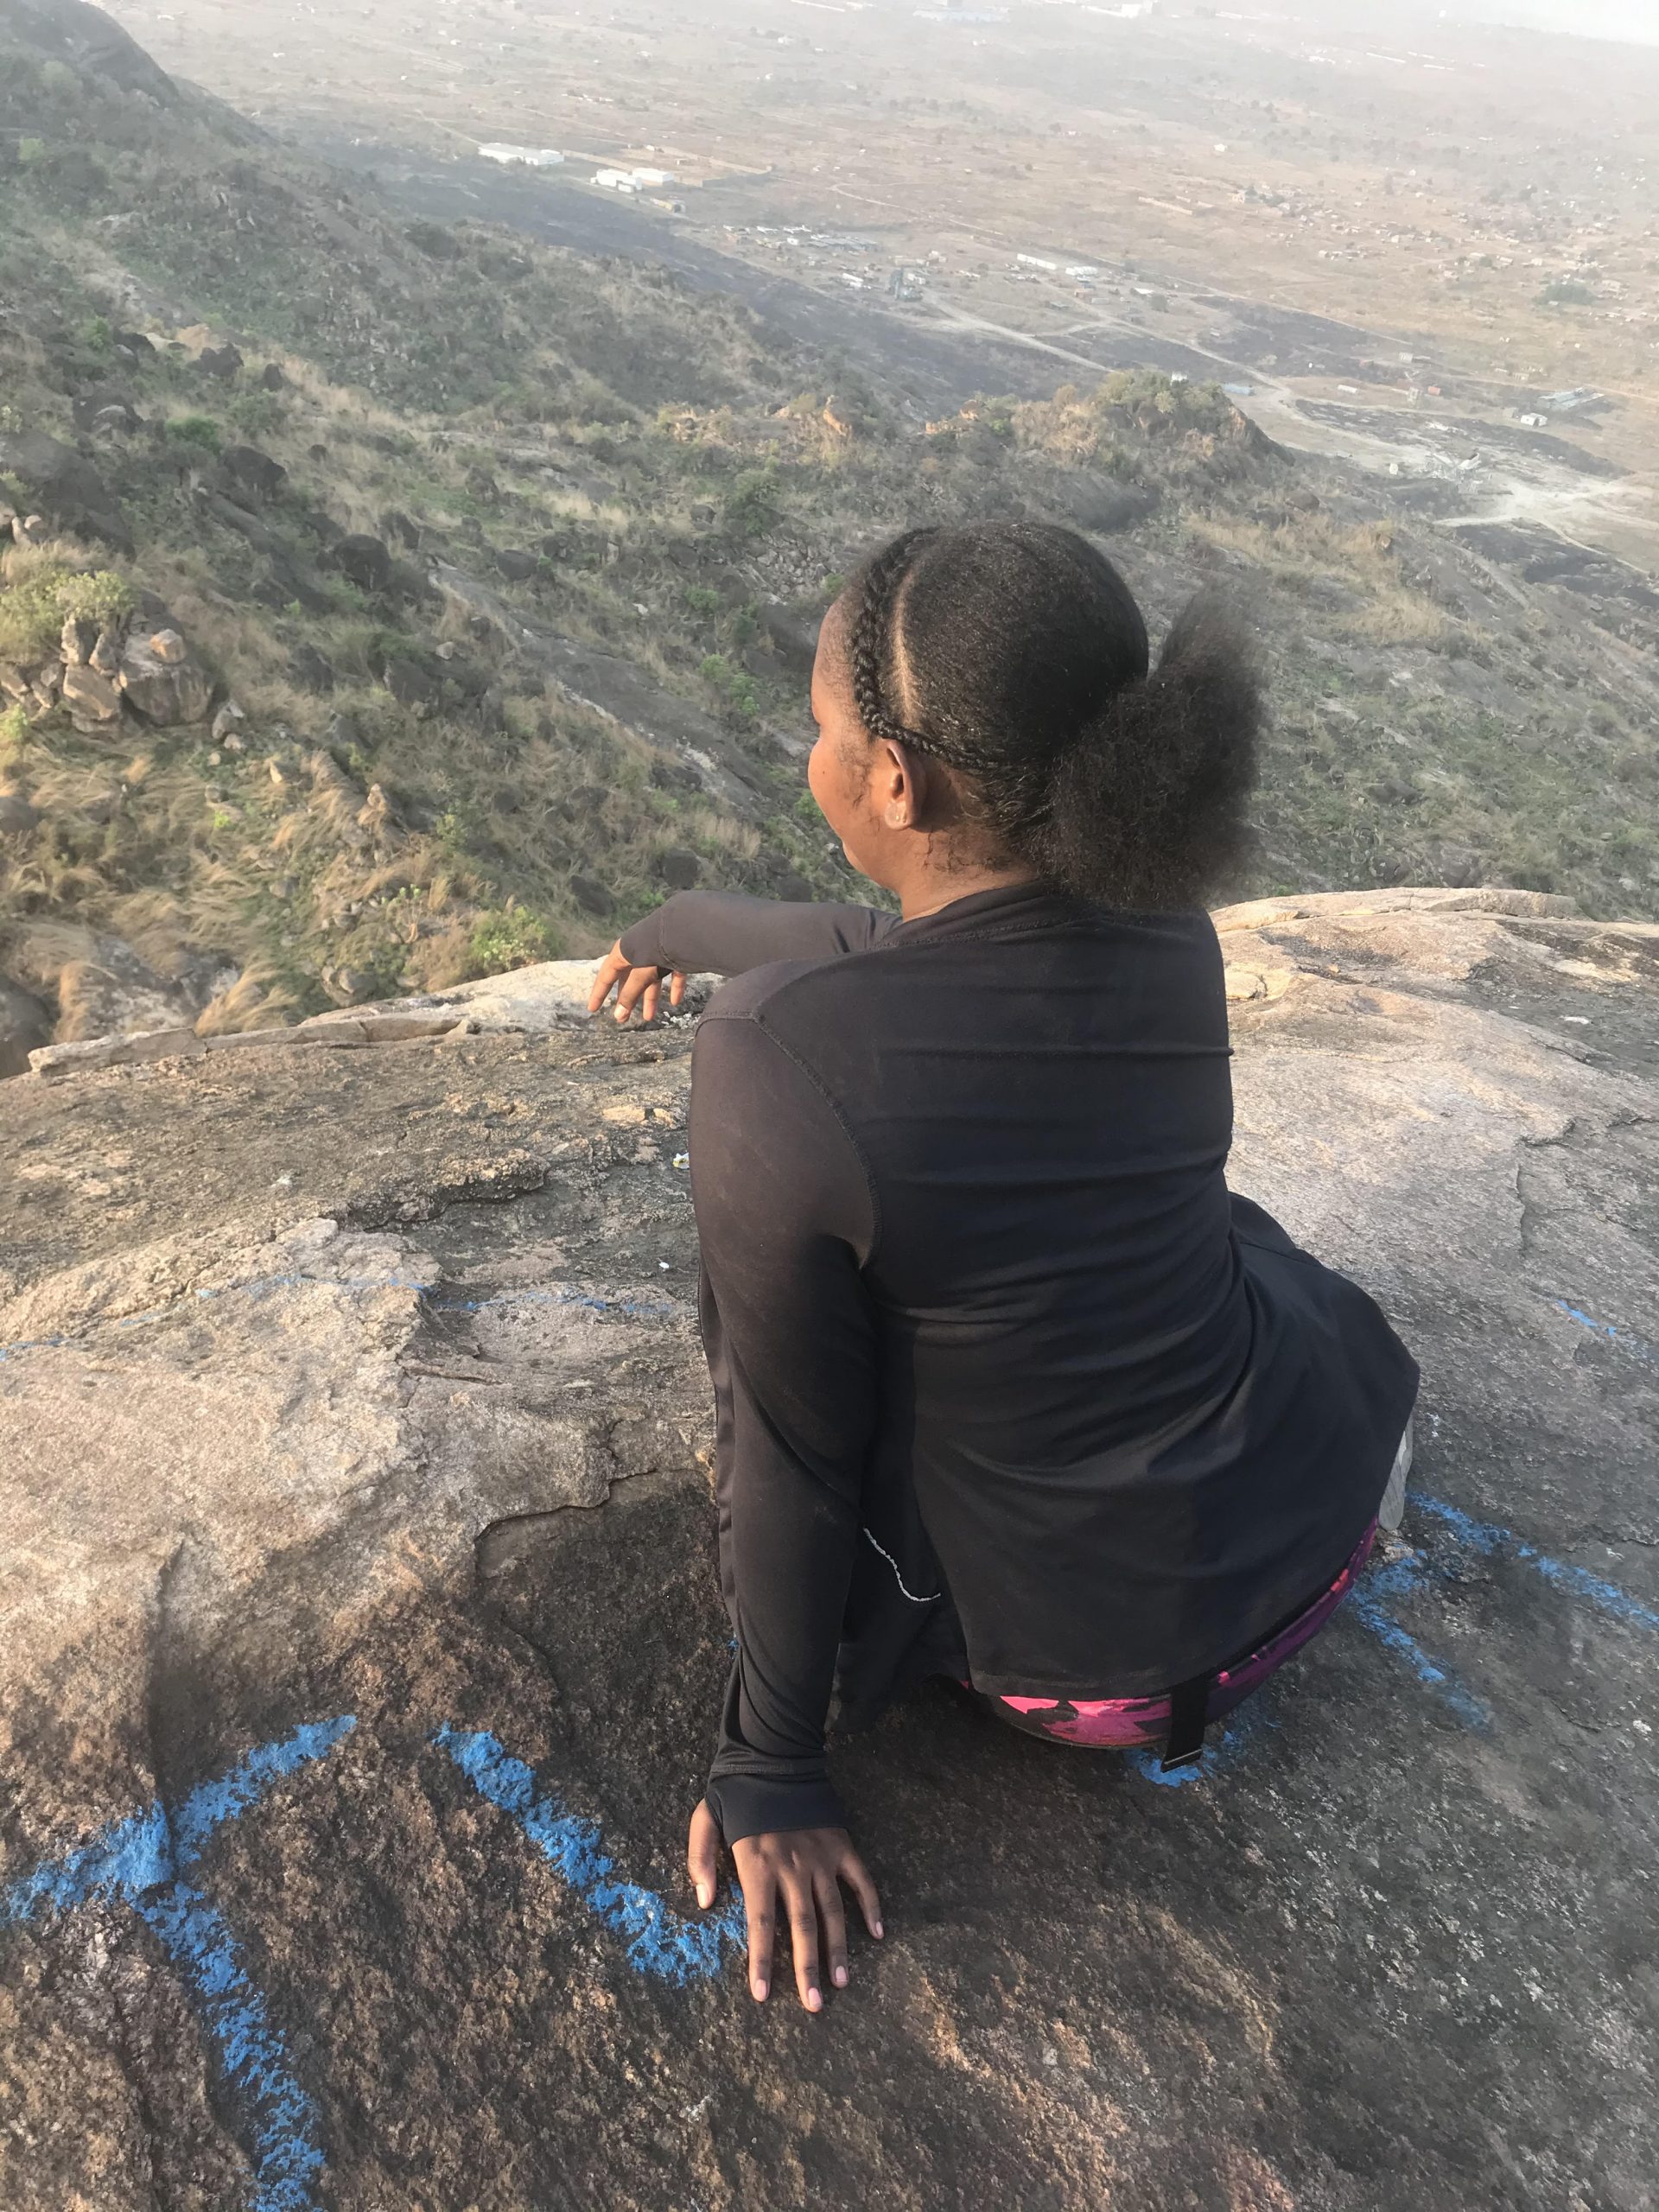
{"type": "Point", "coordinates": [634, 987]}
{"type": "Point", "coordinates": [790, 1879]}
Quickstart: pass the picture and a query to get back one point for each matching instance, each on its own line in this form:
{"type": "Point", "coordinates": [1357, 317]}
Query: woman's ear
{"type": "Point", "coordinates": [902, 785]}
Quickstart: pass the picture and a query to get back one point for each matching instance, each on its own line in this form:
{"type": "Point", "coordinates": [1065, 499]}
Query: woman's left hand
{"type": "Point", "coordinates": [803, 1869]}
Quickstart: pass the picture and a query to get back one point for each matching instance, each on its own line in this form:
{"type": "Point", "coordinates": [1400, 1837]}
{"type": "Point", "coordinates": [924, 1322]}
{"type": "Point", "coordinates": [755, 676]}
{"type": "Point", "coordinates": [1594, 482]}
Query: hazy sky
{"type": "Point", "coordinates": [1637, 19]}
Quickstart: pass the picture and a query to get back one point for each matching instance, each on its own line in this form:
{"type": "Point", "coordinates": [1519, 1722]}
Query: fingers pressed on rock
{"type": "Point", "coordinates": [834, 1919]}
{"type": "Point", "coordinates": [803, 1940]}
{"type": "Point", "coordinates": [855, 1874]}
{"type": "Point", "coordinates": [702, 1856]}
{"type": "Point", "coordinates": [763, 1932]}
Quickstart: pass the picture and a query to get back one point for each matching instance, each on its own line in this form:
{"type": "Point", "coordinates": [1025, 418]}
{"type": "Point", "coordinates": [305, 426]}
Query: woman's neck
{"type": "Point", "coordinates": [930, 889]}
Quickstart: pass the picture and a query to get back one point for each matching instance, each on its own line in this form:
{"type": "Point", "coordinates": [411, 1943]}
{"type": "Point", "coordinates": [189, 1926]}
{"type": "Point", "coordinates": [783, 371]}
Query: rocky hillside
{"type": "Point", "coordinates": [384, 603]}
{"type": "Point", "coordinates": [359, 1640]}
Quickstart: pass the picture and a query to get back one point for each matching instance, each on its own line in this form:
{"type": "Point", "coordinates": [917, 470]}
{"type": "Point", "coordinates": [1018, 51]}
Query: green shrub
{"type": "Point", "coordinates": [735, 685]}
{"type": "Point", "coordinates": [97, 335]}
{"type": "Point", "coordinates": [752, 503]}
{"type": "Point", "coordinates": [509, 937]}
{"type": "Point", "coordinates": [199, 430]}
{"type": "Point", "coordinates": [255, 412]}
{"type": "Point", "coordinates": [33, 613]}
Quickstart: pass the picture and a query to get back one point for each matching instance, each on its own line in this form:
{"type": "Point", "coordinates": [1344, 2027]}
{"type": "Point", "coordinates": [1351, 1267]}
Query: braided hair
{"type": "Point", "coordinates": [1014, 654]}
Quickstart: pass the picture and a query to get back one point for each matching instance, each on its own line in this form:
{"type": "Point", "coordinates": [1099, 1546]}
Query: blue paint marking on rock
{"type": "Point", "coordinates": [284, 2151]}
{"type": "Point", "coordinates": [1403, 1579]}
{"type": "Point", "coordinates": [1626, 1339]}
{"type": "Point", "coordinates": [137, 1862]}
{"type": "Point", "coordinates": [659, 1941]}
{"type": "Point", "coordinates": [1223, 1750]}
{"type": "Point", "coordinates": [152, 1848]}
{"type": "Point", "coordinates": [1487, 1538]}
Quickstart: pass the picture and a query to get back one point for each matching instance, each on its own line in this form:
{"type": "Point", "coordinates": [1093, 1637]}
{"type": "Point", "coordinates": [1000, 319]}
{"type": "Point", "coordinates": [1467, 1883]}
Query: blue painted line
{"type": "Point", "coordinates": [153, 1847]}
{"type": "Point", "coordinates": [137, 1862]}
{"type": "Point", "coordinates": [285, 2153]}
{"type": "Point", "coordinates": [1402, 1579]}
{"type": "Point", "coordinates": [1626, 1339]}
{"type": "Point", "coordinates": [658, 1940]}
{"type": "Point", "coordinates": [1486, 1537]}
{"type": "Point", "coordinates": [1221, 1751]}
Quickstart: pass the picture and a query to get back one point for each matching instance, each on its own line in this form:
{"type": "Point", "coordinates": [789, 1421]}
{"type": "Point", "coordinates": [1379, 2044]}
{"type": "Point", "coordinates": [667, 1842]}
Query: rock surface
{"type": "Point", "coordinates": [356, 1603]}
{"type": "Point", "coordinates": [72, 494]}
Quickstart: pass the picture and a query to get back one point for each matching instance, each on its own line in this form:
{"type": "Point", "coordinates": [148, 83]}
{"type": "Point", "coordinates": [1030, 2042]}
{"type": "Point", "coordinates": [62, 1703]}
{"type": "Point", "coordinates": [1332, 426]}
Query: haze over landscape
{"type": "Point", "coordinates": [1368, 333]}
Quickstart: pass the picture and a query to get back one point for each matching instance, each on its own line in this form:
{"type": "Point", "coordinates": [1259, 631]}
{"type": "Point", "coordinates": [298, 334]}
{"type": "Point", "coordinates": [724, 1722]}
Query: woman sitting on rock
{"type": "Point", "coordinates": [1008, 1386]}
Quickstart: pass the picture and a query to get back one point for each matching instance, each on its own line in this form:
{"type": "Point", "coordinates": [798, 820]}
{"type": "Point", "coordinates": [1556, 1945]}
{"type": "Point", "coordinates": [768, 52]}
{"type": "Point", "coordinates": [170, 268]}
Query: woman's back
{"type": "Point", "coordinates": [1095, 1417]}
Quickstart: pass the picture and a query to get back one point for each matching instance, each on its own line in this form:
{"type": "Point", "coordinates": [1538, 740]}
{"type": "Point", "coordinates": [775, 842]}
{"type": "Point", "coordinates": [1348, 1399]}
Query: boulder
{"type": "Point", "coordinates": [312, 669]}
{"type": "Point", "coordinates": [363, 1639]}
{"type": "Point", "coordinates": [591, 895]}
{"type": "Point", "coordinates": [273, 377]}
{"type": "Point", "coordinates": [1100, 504]}
{"type": "Point", "coordinates": [517, 564]}
{"type": "Point", "coordinates": [111, 990]}
{"type": "Point", "coordinates": [79, 638]}
{"type": "Point", "coordinates": [161, 680]}
{"type": "Point", "coordinates": [25, 1020]}
{"type": "Point", "coordinates": [18, 814]}
{"type": "Point", "coordinates": [46, 689]}
{"type": "Point", "coordinates": [347, 986]}
{"type": "Point", "coordinates": [410, 685]}
{"type": "Point", "coordinates": [793, 637]}
{"type": "Point", "coordinates": [135, 345]}
{"type": "Point", "coordinates": [222, 362]}
{"type": "Point", "coordinates": [92, 698]}
{"type": "Point", "coordinates": [679, 868]}
{"type": "Point", "coordinates": [103, 409]}
{"type": "Point", "coordinates": [364, 561]}
{"type": "Point", "coordinates": [253, 473]}
{"type": "Point", "coordinates": [68, 491]}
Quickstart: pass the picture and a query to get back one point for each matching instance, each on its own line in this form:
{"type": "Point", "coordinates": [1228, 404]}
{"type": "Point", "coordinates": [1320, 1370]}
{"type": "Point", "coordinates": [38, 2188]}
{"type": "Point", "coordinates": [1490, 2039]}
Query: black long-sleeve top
{"type": "Point", "coordinates": [1006, 1381]}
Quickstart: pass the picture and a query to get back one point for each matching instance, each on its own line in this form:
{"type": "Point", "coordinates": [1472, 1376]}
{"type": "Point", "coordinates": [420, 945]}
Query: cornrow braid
{"type": "Point", "coordinates": [872, 636]}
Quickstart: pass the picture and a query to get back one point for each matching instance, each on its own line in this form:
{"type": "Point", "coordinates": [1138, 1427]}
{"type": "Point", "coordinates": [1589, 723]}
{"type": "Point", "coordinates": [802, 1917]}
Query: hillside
{"type": "Point", "coordinates": [435, 599]}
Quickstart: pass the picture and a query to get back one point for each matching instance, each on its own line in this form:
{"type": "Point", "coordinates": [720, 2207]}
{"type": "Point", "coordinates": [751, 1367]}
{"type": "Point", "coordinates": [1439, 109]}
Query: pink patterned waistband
{"type": "Point", "coordinates": [1124, 1723]}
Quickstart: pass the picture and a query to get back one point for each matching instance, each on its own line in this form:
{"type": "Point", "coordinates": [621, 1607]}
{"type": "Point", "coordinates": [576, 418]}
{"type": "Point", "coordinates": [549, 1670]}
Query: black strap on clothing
{"type": "Point", "coordinates": [1189, 1709]}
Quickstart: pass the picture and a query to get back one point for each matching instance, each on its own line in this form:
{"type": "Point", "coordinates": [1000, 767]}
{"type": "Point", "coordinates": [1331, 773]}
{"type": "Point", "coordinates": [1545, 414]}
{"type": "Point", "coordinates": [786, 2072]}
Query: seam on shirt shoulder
{"type": "Point", "coordinates": [846, 1127]}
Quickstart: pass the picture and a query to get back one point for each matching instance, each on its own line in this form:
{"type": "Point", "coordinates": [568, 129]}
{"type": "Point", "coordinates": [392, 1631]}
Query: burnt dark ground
{"type": "Point", "coordinates": [935, 367]}
{"type": "Point", "coordinates": [1394, 1948]}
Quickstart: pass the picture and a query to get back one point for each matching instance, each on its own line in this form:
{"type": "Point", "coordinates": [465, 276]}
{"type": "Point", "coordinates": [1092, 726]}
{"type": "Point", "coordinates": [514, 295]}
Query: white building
{"type": "Point", "coordinates": [529, 157]}
{"type": "Point", "coordinates": [632, 180]}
